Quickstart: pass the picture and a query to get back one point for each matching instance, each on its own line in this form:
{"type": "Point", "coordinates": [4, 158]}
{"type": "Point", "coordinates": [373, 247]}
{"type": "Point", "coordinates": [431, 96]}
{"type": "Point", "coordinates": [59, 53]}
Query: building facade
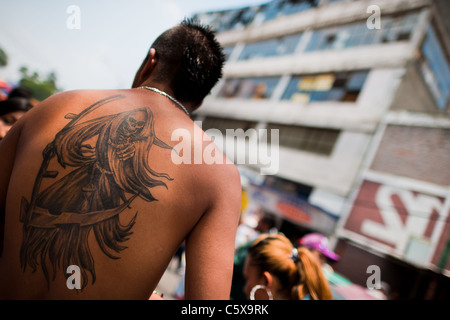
{"type": "Point", "coordinates": [347, 103]}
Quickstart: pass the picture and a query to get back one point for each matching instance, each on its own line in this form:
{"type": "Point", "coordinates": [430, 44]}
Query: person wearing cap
{"type": "Point", "coordinates": [319, 247]}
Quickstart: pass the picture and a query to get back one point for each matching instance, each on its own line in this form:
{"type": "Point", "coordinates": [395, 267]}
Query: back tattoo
{"type": "Point", "coordinates": [92, 172]}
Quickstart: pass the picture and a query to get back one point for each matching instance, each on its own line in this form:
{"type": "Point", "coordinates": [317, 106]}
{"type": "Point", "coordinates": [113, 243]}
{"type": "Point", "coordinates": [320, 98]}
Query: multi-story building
{"type": "Point", "coordinates": [356, 96]}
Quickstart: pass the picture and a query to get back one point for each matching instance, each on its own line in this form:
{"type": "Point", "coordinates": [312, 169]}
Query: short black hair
{"type": "Point", "coordinates": [20, 92]}
{"type": "Point", "coordinates": [190, 59]}
{"type": "Point", "coordinates": [19, 99]}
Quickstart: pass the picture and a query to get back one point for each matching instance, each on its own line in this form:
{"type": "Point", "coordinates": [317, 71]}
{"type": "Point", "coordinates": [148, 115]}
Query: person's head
{"type": "Point", "coordinates": [265, 223]}
{"type": "Point", "coordinates": [318, 245]}
{"type": "Point", "coordinates": [13, 108]}
{"type": "Point", "coordinates": [186, 58]}
{"type": "Point", "coordinates": [20, 92]}
{"type": "Point", "coordinates": [284, 272]}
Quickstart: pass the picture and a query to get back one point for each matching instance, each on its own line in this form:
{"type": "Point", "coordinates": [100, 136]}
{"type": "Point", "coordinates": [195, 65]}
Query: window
{"type": "Point", "coordinates": [249, 88]}
{"type": "Point", "coordinates": [278, 8]}
{"type": "Point", "coordinates": [227, 51]}
{"type": "Point", "coordinates": [341, 86]}
{"type": "Point", "coordinates": [333, 1]}
{"type": "Point", "coordinates": [229, 19]}
{"type": "Point", "coordinates": [435, 69]}
{"type": "Point", "coordinates": [357, 34]}
{"type": "Point", "coordinates": [273, 47]}
{"type": "Point", "coordinates": [315, 140]}
{"type": "Point", "coordinates": [212, 19]}
{"type": "Point", "coordinates": [240, 18]}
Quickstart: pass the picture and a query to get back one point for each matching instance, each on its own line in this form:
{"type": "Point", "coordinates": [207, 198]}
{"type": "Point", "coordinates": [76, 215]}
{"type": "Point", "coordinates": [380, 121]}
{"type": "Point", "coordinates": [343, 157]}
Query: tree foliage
{"type": "Point", "coordinates": [40, 88]}
{"type": "Point", "coordinates": [3, 58]}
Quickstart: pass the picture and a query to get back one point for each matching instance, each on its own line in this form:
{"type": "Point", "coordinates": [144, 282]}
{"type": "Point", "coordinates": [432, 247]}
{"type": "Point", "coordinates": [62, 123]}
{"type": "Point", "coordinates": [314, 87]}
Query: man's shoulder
{"type": "Point", "coordinates": [79, 95]}
{"type": "Point", "coordinates": [70, 101]}
{"type": "Point", "coordinates": [223, 178]}
{"type": "Point", "coordinates": [214, 160]}
{"type": "Point", "coordinates": [229, 169]}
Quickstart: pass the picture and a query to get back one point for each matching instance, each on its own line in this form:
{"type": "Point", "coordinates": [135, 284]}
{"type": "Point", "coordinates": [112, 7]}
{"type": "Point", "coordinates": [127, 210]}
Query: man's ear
{"type": "Point", "coordinates": [149, 65]}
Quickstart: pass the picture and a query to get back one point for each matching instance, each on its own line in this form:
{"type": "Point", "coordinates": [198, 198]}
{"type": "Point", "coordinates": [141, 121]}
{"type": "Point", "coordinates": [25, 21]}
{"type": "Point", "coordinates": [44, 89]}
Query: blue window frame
{"type": "Point", "coordinates": [435, 69]}
{"type": "Point", "coordinates": [357, 34]}
{"type": "Point", "coordinates": [341, 86]}
{"type": "Point", "coordinates": [272, 47]}
{"type": "Point", "coordinates": [249, 88]}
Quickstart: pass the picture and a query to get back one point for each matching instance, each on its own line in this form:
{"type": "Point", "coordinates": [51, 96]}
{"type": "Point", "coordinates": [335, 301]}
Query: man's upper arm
{"type": "Point", "coordinates": [8, 148]}
{"type": "Point", "coordinates": [210, 246]}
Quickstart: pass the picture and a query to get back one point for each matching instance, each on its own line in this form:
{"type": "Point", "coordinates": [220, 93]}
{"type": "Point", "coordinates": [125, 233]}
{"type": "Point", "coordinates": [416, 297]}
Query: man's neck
{"type": "Point", "coordinates": [167, 89]}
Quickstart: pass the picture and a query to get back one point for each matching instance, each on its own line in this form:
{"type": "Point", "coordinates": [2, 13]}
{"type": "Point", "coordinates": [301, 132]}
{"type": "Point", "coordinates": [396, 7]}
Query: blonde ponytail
{"type": "Point", "coordinates": [312, 279]}
{"type": "Point", "coordinates": [297, 270]}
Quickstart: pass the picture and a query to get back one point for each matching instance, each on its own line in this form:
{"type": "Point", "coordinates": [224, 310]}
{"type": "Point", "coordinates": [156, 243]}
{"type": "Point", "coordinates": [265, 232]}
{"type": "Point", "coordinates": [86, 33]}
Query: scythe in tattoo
{"type": "Point", "coordinates": [105, 179]}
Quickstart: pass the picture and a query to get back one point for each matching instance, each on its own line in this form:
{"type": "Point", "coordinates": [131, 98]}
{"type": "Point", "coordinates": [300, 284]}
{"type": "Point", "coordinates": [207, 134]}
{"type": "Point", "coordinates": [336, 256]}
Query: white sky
{"type": "Point", "coordinates": [108, 48]}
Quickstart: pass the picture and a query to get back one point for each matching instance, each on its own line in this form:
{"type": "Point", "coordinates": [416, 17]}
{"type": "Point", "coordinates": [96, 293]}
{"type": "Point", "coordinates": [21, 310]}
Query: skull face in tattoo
{"type": "Point", "coordinates": [128, 130]}
{"type": "Point", "coordinates": [133, 124]}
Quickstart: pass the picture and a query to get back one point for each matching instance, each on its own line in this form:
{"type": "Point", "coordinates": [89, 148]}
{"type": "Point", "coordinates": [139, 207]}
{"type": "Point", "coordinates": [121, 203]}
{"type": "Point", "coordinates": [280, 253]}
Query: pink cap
{"type": "Point", "coordinates": [318, 242]}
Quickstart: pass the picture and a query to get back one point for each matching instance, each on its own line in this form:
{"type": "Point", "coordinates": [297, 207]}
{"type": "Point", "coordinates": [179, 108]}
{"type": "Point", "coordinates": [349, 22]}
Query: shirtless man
{"type": "Point", "coordinates": [88, 187]}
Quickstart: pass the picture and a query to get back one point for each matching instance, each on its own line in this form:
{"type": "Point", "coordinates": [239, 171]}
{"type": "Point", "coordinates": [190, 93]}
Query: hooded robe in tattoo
{"type": "Point", "coordinates": [105, 181]}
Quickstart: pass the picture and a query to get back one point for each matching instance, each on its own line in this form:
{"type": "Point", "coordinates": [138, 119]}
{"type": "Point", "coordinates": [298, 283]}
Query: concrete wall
{"type": "Point", "coordinates": [415, 152]}
{"type": "Point", "coordinates": [413, 94]}
{"type": "Point", "coordinates": [335, 173]}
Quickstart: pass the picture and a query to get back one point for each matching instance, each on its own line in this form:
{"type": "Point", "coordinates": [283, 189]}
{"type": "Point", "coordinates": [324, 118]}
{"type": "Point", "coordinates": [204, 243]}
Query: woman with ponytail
{"type": "Point", "coordinates": [275, 269]}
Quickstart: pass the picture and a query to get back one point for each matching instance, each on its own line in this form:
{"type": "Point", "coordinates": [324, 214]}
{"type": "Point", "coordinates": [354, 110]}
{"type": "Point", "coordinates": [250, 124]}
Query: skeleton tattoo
{"type": "Point", "coordinates": [93, 170]}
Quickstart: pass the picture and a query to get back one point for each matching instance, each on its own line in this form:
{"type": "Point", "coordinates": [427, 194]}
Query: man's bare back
{"type": "Point", "coordinates": [88, 180]}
